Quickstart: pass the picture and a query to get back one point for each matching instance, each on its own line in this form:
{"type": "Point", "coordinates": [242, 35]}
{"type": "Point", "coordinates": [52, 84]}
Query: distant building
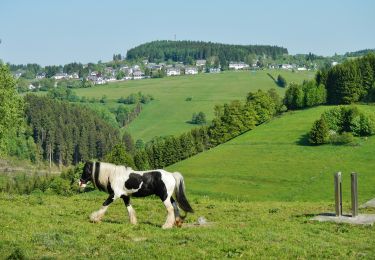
{"type": "Point", "coordinates": [334, 63]}
{"type": "Point", "coordinates": [214, 70]}
{"type": "Point", "coordinates": [191, 70]}
{"type": "Point", "coordinates": [301, 69]}
{"type": "Point", "coordinates": [58, 76]}
{"type": "Point", "coordinates": [138, 74]}
{"type": "Point", "coordinates": [238, 65]}
{"type": "Point", "coordinates": [285, 66]}
{"type": "Point", "coordinates": [73, 76]}
{"type": "Point", "coordinates": [173, 71]}
{"type": "Point", "coordinates": [199, 63]}
{"type": "Point", "coordinates": [40, 75]}
{"type": "Point", "coordinates": [17, 74]}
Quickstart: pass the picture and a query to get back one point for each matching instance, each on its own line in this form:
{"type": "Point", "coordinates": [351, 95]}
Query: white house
{"type": "Point", "coordinates": [173, 71]}
{"type": "Point", "coordinates": [41, 75]}
{"type": "Point", "coordinates": [74, 76]}
{"type": "Point", "coordinates": [138, 74]}
{"type": "Point", "coordinates": [191, 71]}
{"type": "Point", "coordinates": [199, 63]}
{"type": "Point", "coordinates": [286, 66]}
{"type": "Point", "coordinates": [238, 65]}
{"type": "Point", "coordinates": [215, 70]}
{"type": "Point", "coordinates": [301, 69]}
{"type": "Point", "coordinates": [334, 63]}
{"type": "Point", "coordinates": [60, 76]}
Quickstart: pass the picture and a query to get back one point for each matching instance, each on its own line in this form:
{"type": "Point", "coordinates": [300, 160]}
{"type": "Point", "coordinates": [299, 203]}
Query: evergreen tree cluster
{"type": "Point", "coordinates": [185, 51]}
{"type": "Point", "coordinates": [351, 81]}
{"type": "Point", "coordinates": [307, 94]}
{"type": "Point", "coordinates": [281, 81]}
{"type": "Point", "coordinates": [66, 133]}
{"type": "Point", "coordinates": [338, 124]}
{"type": "Point", "coordinates": [125, 116]}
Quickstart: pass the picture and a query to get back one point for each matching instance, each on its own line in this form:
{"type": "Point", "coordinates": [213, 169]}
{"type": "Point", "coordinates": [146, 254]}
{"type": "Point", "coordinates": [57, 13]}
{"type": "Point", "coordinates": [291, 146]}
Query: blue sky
{"type": "Point", "coordinates": [58, 32]}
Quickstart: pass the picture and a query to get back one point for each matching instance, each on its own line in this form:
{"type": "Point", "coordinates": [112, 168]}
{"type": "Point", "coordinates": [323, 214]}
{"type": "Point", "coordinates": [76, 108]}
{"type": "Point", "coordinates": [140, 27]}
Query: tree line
{"type": "Point", "coordinates": [230, 121]}
{"type": "Point", "coordinates": [351, 81]}
{"type": "Point", "coordinates": [186, 51]}
{"type": "Point", "coordinates": [66, 133]}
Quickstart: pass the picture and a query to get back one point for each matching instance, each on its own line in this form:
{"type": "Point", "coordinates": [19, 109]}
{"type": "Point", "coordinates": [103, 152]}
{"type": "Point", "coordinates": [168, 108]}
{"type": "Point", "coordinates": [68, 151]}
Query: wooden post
{"type": "Point", "coordinates": [354, 185]}
{"type": "Point", "coordinates": [338, 194]}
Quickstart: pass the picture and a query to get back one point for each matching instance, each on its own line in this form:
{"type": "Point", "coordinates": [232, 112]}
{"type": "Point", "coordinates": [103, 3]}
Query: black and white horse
{"type": "Point", "coordinates": [123, 182]}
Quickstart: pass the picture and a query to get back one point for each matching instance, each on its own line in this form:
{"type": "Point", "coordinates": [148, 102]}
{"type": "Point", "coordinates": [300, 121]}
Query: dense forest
{"type": "Point", "coordinates": [351, 81]}
{"type": "Point", "coordinates": [66, 133]}
{"type": "Point", "coordinates": [186, 51]}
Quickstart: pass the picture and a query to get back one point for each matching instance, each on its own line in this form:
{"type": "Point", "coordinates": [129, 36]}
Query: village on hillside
{"type": "Point", "coordinates": [145, 70]}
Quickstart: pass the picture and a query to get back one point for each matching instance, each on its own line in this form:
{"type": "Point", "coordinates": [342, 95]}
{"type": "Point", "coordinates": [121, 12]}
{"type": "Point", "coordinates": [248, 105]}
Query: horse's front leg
{"type": "Point", "coordinates": [131, 211]}
{"type": "Point", "coordinates": [178, 219]}
{"type": "Point", "coordinates": [170, 217]}
{"type": "Point", "coordinates": [96, 216]}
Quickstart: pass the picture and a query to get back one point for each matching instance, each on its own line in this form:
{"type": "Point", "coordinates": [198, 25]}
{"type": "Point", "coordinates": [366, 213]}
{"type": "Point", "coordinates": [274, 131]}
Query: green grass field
{"type": "Point", "coordinates": [169, 113]}
{"type": "Point", "coordinates": [258, 193]}
{"type": "Point", "coordinates": [273, 163]}
{"type": "Point", "coordinates": [52, 227]}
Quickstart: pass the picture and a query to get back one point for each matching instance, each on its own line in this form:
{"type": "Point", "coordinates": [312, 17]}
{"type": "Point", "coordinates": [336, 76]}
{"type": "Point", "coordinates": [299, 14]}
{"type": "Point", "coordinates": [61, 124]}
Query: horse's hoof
{"type": "Point", "coordinates": [167, 226]}
{"type": "Point", "coordinates": [94, 218]}
{"type": "Point", "coordinates": [178, 222]}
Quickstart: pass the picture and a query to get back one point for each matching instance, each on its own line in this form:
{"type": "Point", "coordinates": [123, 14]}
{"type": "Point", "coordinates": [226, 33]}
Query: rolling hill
{"type": "Point", "coordinates": [273, 163]}
{"type": "Point", "coordinates": [169, 113]}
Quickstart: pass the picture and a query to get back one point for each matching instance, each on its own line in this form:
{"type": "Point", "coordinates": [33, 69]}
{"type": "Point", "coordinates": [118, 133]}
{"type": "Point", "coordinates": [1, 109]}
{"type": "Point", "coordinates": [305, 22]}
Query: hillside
{"type": "Point", "coordinates": [272, 163]}
{"type": "Point", "coordinates": [244, 189]}
{"type": "Point", "coordinates": [183, 51]}
{"type": "Point", "coordinates": [169, 113]}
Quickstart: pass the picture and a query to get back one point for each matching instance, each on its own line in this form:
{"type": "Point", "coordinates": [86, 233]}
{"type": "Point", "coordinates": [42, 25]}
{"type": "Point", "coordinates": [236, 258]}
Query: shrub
{"type": "Point", "coordinates": [281, 81]}
{"type": "Point", "coordinates": [344, 138]}
{"type": "Point", "coordinates": [343, 123]}
{"type": "Point", "coordinates": [320, 132]}
{"type": "Point", "coordinates": [199, 118]}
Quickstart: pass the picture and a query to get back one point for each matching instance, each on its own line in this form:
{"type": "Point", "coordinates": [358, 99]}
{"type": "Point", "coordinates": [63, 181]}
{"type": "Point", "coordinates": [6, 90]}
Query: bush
{"type": "Point", "coordinates": [119, 156]}
{"type": "Point", "coordinates": [281, 81]}
{"type": "Point", "coordinates": [344, 138]}
{"type": "Point", "coordinates": [343, 123]}
{"type": "Point", "coordinates": [320, 132]}
{"type": "Point", "coordinates": [199, 118]}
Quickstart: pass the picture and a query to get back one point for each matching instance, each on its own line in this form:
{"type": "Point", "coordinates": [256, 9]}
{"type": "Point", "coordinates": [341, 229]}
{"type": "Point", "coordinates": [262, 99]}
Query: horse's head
{"type": "Point", "coordinates": [86, 174]}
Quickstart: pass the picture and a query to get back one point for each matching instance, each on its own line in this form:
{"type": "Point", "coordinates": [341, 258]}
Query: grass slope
{"type": "Point", "coordinates": [169, 113]}
{"type": "Point", "coordinates": [244, 188]}
{"type": "Point", "coordinates": [273, 163]}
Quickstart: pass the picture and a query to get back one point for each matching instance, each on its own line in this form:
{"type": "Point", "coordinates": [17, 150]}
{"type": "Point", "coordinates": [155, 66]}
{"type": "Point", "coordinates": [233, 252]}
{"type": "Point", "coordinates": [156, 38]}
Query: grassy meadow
{"type": "Point", "coordinates": [51, 227]}
{"type": "Point", "coordinates": [274, 163]}
{"type": "Point", "coordinates": [169, 113]}
{"type": "Point", "coordinates": [257, 192]}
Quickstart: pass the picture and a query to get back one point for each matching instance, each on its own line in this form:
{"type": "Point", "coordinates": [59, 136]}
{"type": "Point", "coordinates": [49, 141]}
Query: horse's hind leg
{"type": "Point", "coordinates": [178, 219]}
{"type": "Point", "coordinates": [170, 217]}
{"type": "Point", "coordinates": [131, 211]}
{"type": "Point", "coordinates": [96, 216]}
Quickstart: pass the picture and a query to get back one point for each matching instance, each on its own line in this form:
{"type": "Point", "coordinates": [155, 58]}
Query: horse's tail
{"type": "Point", "coordinates": [180, 193]}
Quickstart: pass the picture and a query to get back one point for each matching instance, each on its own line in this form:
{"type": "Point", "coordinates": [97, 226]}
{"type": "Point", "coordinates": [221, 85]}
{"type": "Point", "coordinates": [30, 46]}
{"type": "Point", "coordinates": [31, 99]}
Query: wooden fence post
{"type": "Point", "coordinates": [354, 185]}
{"type": "Point", "coordinates": [338, 194]}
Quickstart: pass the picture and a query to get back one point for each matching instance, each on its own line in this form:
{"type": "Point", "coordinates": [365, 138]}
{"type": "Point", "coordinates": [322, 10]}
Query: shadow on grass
{"type": "Point", "coordinates": [112, 221]}
{"type": "Point", "coordinates": [303, 140]}
{"type": "Point", "coordinates": [148, 223]}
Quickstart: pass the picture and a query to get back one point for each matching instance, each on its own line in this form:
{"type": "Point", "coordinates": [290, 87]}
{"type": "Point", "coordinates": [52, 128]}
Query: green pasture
{"type": "Point", "coordinates": [274, 163]}
{"type": "Point", "coordinates": [169, 113]}
{"type": "Point", "coordinates": [55, 227]}
{"type": "Point", "coordinates": [258, 193]}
